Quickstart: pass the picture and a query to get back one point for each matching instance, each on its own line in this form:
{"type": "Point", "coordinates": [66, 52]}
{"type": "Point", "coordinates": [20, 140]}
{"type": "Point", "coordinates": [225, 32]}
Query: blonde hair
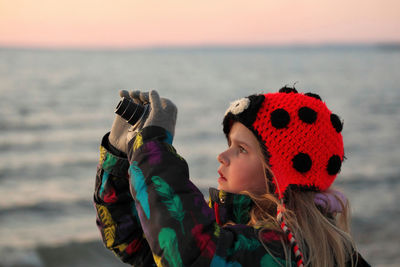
{"type": "Point", "coordinates": [323, 238]}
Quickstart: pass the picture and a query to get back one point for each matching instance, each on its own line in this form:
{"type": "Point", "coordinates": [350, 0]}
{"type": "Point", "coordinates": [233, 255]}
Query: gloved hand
{"type": "Point", "coordinates": [120, 127]}
{"type": "Point", "coordinates": [162, 112]}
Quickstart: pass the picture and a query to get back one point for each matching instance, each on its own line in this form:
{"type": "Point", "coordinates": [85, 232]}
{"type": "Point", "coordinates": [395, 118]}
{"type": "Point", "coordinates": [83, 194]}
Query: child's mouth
{"type": "Point", "coordinates": [221, 177]}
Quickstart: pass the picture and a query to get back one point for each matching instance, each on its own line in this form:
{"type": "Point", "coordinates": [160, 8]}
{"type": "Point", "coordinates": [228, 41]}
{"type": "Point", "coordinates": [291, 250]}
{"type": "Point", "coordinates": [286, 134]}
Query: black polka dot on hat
{"type": "Point", "coordinates": [336, 123]}
{"type": "Point", "coordinates": [307, 115]}
{"type": "Point", "coordinates": [334, 165]}
{"type": "Point", "coordinates": [287, 90]}
{"type": "Point", "coordinates": [302, 162]}
{"type": "Point", "coordinates": [280, 118]}
{"type": "Point", "coordinates": [313, 95]}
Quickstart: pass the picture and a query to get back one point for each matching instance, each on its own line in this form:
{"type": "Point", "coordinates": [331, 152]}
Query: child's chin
{"type": "Point", "coordinates": [221, 187]}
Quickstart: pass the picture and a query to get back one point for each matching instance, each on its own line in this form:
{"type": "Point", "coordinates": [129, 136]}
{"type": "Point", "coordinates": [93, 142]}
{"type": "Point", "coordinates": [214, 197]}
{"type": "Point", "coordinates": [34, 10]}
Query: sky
{"type": "Point", "coordinates": [147, 23]}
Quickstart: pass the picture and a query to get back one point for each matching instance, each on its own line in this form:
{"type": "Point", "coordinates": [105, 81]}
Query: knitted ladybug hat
{"type": "Point", "coordinates": [302, 142]}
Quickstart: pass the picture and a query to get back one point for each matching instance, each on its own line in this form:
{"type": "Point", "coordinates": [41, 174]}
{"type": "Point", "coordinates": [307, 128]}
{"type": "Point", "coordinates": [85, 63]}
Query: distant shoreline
{"type": "Point", "coordinates": [390, 46]}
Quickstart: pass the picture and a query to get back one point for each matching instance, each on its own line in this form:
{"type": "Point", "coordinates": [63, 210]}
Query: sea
{"type": "Point", "coordinates": [56, 104]}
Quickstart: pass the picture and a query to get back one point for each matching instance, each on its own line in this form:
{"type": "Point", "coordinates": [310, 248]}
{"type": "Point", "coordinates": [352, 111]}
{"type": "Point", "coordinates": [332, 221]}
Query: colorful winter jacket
{"type": "Point", "coordinates": [149, 212]}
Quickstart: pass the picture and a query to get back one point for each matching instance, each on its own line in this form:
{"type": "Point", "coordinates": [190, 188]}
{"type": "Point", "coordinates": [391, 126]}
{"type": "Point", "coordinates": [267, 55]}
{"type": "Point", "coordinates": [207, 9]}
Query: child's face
{"type": "Point", "coordinates": [241, 166]}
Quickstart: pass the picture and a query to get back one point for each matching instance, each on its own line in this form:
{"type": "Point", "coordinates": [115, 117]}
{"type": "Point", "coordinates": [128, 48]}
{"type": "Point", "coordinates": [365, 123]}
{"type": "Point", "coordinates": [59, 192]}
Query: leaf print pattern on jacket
{"type": "Point", "coordinates": [220, 262]}
{"type": "Point", "coordinates": [169, 245]}
{"type": "Point", "coordinates": [139, 184]}
{"type": "Point", "coordinates": [171, 201]}
{"type": "Point", "coordinates": [204, 241]}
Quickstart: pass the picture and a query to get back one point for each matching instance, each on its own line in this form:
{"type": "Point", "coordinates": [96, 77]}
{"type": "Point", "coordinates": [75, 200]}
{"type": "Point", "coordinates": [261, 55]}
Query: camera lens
{"type": "Point", "coordinates": [129, 110]}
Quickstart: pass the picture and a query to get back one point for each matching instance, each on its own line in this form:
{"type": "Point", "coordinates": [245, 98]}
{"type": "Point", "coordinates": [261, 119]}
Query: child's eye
{"type": "Point", "coordinates": [242, 149]}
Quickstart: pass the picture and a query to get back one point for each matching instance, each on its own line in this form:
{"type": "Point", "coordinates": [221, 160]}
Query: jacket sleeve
{"type": "Point", "coordinates": [179, 226]}
{"type": "Point", "coordinates": [117, 218]}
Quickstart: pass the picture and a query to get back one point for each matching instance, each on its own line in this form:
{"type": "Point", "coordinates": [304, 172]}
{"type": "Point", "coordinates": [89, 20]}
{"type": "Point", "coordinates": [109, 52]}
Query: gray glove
{"type": "Point", "coordinates": [162, 112]}
{"type": "Point", "coordinates": [119, 128]}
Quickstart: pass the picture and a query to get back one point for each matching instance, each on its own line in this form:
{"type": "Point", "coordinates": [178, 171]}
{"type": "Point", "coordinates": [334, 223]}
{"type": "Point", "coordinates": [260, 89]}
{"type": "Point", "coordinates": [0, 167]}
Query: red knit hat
{"type": "Point", "coordinates": [301, 136]}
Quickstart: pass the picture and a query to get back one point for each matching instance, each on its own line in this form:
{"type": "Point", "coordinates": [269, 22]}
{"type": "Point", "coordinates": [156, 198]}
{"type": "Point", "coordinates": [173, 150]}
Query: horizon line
{"type": "Point", "coordinates": [376, 44]}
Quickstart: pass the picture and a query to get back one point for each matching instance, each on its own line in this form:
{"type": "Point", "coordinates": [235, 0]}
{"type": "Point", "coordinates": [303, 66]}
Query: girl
{"type": "Point", "coordinates": [273, 205]}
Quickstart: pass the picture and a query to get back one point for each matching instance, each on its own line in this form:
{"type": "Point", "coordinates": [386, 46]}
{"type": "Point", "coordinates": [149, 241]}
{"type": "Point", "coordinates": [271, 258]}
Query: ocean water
{"type": "Point", "coordinates": [55, 106]}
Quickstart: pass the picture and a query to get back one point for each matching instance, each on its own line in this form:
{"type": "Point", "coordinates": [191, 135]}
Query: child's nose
{"type": "Point", "coordinates": [223, 159]}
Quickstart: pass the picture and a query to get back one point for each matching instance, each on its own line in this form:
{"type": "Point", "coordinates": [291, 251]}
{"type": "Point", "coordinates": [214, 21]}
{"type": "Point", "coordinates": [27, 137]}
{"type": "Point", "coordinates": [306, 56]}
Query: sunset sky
{"type": "Point", "coordinates": [143, 23]}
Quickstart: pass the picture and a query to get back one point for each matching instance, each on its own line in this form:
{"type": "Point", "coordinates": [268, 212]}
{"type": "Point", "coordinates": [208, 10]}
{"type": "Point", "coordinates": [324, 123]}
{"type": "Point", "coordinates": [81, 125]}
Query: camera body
{"type": "Point", "coordinates": [130, 111]}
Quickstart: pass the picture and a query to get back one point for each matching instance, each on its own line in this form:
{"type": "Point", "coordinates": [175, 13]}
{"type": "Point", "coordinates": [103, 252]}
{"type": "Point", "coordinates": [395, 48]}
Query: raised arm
{"type": "Point", "coordinates": [117, 217]}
